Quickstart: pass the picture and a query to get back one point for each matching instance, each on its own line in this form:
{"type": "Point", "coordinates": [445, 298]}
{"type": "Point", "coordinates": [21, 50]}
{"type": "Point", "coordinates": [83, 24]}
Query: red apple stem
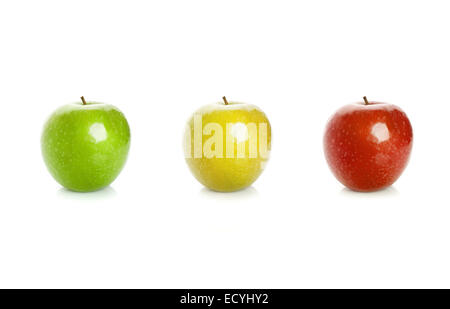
{"type": "Point", "coordinates": [82, 99]}
{"type": "Point", "coordinates": [225, 100]}
{"type": "Point", "coordinates": [365, 101]}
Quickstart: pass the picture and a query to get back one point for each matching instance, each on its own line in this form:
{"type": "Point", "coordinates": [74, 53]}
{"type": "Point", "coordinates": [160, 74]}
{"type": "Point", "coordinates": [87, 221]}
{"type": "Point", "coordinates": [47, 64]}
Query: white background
{"type": "Point", "coordinates": [158, 61]}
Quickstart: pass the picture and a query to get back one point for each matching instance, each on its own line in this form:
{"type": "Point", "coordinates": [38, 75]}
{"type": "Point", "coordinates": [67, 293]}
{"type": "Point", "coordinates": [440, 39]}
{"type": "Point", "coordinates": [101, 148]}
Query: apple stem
{"type": "Point", "coordinates": [225, 100]}
{"type": "Point", "coordinates": [365, 101]}
{"type": "Point", "coordinates": [82, 99]}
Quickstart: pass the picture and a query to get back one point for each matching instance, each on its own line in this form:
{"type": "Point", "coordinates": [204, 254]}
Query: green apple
{"type": "Point", "coordinates": [85, 145]}
{"type": "Point", "coordinates": [227, 145]}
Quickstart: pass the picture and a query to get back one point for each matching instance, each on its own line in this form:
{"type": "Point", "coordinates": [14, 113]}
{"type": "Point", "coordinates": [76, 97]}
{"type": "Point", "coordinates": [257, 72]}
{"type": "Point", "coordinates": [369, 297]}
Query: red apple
{"type": "Point", "coordinates": [367, 145]}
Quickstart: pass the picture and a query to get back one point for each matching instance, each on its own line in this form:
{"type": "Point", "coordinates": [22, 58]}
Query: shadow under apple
{"type": "Point", "coordinates": [103, 194]}
{"type": "Point", "coordinates": [246, 193]}
{"type": "Point", "coordinates": [386, 192]}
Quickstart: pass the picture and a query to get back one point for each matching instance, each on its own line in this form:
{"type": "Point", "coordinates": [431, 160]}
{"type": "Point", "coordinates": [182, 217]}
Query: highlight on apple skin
{"type": "Point", "coordinates": [85, 145]}
{"type": "Point", "coordinates": [227, 145]}
{"type": "Point", "coordinates": [368, 144]}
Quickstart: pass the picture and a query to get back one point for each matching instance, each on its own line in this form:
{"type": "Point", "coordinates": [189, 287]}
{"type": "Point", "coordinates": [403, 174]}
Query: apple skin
{"type": "Point", "coordinates": [367, 146]}
{"type": "Point", "coordinates": [228, 174]}
{"type": "Point", "coordinates": [85, 146]}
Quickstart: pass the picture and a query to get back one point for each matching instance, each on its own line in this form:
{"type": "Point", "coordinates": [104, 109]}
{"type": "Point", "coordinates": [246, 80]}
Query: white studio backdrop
{"type": "Point", "coordinates": [158, 61]}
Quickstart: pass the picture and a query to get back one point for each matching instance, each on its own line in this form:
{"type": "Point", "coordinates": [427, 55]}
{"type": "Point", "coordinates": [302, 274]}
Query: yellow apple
{"type": "Point", "coordinates": [227, 145]}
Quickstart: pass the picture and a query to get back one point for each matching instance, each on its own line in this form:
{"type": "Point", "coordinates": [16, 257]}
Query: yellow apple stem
{"type": "Point", "coordinates": [365, 101]}
{"type": "Point", "coordinates": [82, 99]}
{"type": "Point", "coordinates": [225, 100]}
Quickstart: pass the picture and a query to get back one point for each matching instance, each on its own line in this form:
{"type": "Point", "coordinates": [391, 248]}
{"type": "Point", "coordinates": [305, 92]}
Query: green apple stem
{"type": "Point", "coordinates": [225, 100]}
{"type": "Point", "coordinates": [365, 101]}
{"type": "Point", "coordinates": [82, 99]}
